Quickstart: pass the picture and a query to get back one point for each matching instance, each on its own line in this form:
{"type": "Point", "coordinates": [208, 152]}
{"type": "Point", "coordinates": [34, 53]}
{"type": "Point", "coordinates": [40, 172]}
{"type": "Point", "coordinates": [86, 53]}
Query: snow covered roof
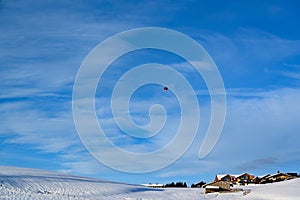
{"type": "Point", "coordinates": [279, 174]}
{"type": "Point", "coordinates": [212, 187]}
{"type": "Point", "coordinates": [263, 176]}
{"type": "Point", "coordinates": [219, 176]}
{"type": "Point", "coordinates": [238, 175]}
{"type": "Point", "coordinates": [152, 185]}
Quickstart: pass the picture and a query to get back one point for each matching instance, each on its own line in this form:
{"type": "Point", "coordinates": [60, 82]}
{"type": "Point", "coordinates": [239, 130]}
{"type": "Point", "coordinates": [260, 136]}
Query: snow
{"type": "Point", "coordinates": [20, 183]}
{"type": "Point", "coordinates": [264, 176]}
{"type": "Point", "coordinates": [281, 190]}
{"type": "Point", "coordinates": [220, 176]}
{"type": "Point", "coordinates": [212, 187]}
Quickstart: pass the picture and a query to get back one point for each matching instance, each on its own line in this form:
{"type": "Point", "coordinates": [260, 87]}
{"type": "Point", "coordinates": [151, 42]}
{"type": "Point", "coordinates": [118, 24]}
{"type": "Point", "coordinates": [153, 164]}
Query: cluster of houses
{"type": "Point", "coordinates": [225, 181]}
{"type": "Point", "coordinates": [246, 178]}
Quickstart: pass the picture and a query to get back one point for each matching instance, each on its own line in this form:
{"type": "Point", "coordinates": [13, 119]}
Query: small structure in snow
{"type": "Point", "coordinates": [217, 186]}
{"type": "Point", "coordinates": [153, 185]}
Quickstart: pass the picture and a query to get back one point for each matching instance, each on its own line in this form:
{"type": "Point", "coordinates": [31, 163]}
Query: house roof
{"type": "Point", "coordinates": [220, 176]}
{"type": "Point", "coordinates": [279, 174]}
{"type": "Point", "coordinates": [236, 176]}
{"type": "Point", "coordinates": [264, 176]}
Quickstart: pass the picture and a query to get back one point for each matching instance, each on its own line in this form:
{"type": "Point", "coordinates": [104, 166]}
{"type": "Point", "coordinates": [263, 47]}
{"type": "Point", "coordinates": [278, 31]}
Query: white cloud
{"type": "Point", "coordinates": [24, 123]}
{"type": "Point", "coordinates": [260, 127]}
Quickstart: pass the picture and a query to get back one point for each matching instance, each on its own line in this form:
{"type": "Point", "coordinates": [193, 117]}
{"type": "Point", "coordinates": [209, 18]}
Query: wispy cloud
{"type": "Point", "coordinates": [258, 163]}
{"type": "Point", "coordinates": [261, 127]}
{"type": "Point", "coordinates": [41, 52]}
{"type": "Point", "coordinates": [49, 133]}
{"type": "Point", "coordinates": [251, 57]}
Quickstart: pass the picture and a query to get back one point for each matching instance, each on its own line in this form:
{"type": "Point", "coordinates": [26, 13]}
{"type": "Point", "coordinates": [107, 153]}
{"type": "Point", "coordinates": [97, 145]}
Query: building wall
{"type": "Point", "coordinates": [224, 185]}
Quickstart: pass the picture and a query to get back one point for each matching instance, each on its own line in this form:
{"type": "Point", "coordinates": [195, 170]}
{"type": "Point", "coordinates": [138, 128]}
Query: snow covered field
{"type": "Point", "coordinates": [20, 183]}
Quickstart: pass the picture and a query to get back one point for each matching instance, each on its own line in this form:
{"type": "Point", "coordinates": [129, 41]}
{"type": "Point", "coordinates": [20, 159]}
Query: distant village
{"type": "Point", "coordinates": [228, 182]}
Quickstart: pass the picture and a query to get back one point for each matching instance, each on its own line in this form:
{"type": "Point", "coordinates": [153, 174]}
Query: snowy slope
{"type": "Point", "coordinates": [20, 183]}
{"type": "Point", "coordinates": [282, 190]}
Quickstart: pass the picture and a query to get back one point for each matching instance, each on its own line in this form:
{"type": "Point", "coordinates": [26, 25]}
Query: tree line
{"type": "Point", "coordinates": [177, 184]}
{"type": "Point", "coordinates": [184, 185]}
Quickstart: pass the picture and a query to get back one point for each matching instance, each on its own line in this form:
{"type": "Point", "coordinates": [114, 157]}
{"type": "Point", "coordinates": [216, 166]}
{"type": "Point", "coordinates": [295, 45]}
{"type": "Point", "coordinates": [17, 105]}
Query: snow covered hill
{"type": "Point", "coordinates": [20, 183]}
{"type": "Point", "coordinates": [281, 190]}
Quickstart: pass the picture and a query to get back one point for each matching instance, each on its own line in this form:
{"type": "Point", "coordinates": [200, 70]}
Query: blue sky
{"type": "Point", "coordinates": [255, 44]}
